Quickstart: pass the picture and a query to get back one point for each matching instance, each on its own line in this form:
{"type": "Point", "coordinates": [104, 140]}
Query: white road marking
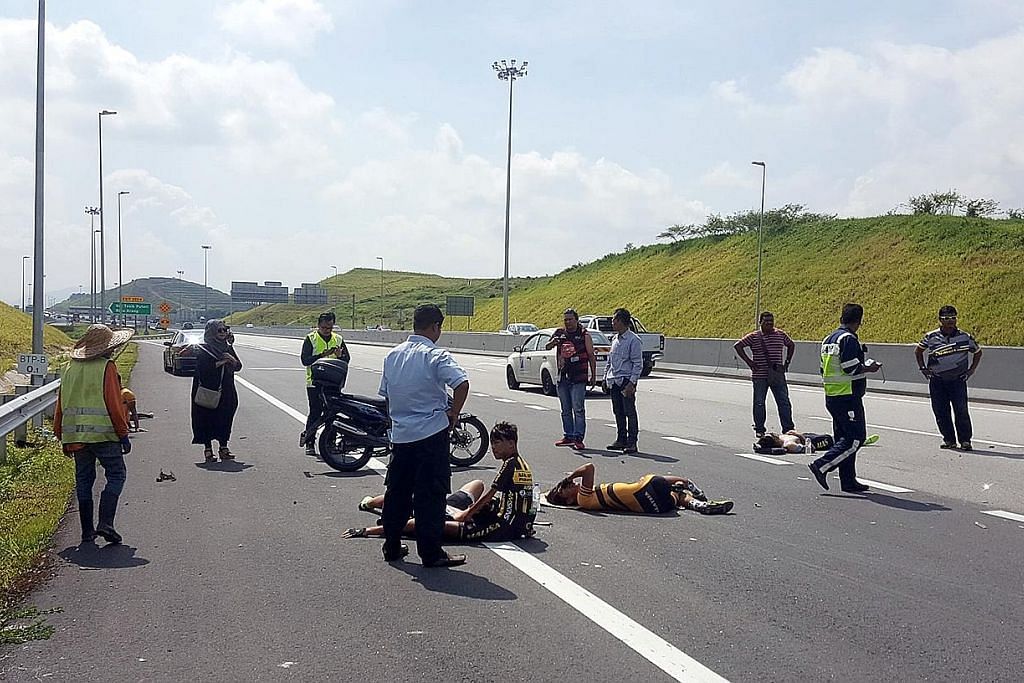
{"type": "Point", "coordinates": [661, 653]}
{"type": "Point", "coordinates": [533, 407]}
{"type": "Point", "coordinates": [764, 458]}
{"type": "Point", "coordinates": [493, 365]}
{"type": "Point", "coordinates": [688, 442]}
{"type": "Point", "coordinates": [879, 485]}
{"type": "Point", "coordinates": [289, 369]}
{"type": "Point", "coordinates": [611, 424]}
{"type": "Point", "coordinates": [673, 661]}
{"type": "Point", "coordinates": [1004, 514]}
{"type": "Point", "coordinates": [477, 393]}
{"type": "Point", "coordinates": [506, 400]}
{"type": "Point", "coordinates": [923, 433]}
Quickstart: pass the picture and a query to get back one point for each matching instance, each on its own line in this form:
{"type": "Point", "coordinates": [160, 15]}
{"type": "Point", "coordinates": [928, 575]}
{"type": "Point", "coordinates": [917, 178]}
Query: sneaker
{"type": "Point", "coordinates": [948, 444]}
{"type": "Point", "coordinates": [818, 475]}
{"type": "Point", "coordinates": [615, 446]}
{"type": "Point", "coordinates": [311, 450]}
{"type": "Point", "coordinates": [966, 446]}
{"type": "Point", "coordinates": [855, 487]}
{"type": "Point", "coordinates": [712, 507]}
{"type": "Point", "coordinates": [365, 505]}
{"type": "Point", "coordinates": [578, 446]}
{"type": "Point", "coordinates": [871, 440]}
{"type": "Point", "coordinates": [691, 488]}
{"type": "Point", "coordinates": [565, 441]}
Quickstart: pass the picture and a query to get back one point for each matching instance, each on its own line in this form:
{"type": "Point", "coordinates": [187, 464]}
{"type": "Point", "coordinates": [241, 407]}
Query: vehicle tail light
{"type": "Point", "coordinates": [662, 342]}
{"type": "Point", "coordinates": [185, 351]}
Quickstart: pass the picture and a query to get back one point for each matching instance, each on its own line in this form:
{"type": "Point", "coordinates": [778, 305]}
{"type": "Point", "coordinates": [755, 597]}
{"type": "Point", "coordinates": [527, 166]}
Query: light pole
{"type": "Point", "coordinates": [103, 263]}
{"type": "Point", "coordinates": [37, 264]}
{"type": "Point", "coordinates": [335, 270]}
{"type": "Point", "coordinates": [120, 275]}
{"type": "Point", "coordinates": [508, 72]}
{"type": "Point", "coordinates": [760, 229]}
{"type": "Point", "coordinates": [381, 259]}
{"type": "Point", "coordinates": [206, 288]}
{"type": "Point", "coordinates": [23, 259]}
{"type": "Point", "coordinates": [92, 211]}
{"type": "Point", "coordinates": [180, 273]}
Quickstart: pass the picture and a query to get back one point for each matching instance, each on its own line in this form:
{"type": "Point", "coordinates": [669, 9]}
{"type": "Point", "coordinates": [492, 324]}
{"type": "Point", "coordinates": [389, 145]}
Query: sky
{"type": "Point", "coordinates": [296, 135]}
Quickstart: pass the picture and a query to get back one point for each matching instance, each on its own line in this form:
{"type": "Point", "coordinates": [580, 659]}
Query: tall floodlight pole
{"type": "Point", "coordinates": [120, 274]}
{"type": "Point", "coordinates": [180, 273]}
{"type": "Point", "coordinates": [335, 270]}
{"type": "Point", "coordinates": [508, 72]}
{"type": "Point", "coordinates": [381, 259]}
{"type": "Point", "coordinates": [93, 212]}
{"type": "Point", "coordinates": [103, 262]}
{"type": "Point", "coordinates": [23, 281]}
{"type": "Point", "coordinates": [206, 287]}
{"type": "Point", "coordinates": [760, 230]}
{"type": "Point", "coordinates": [37, 264]}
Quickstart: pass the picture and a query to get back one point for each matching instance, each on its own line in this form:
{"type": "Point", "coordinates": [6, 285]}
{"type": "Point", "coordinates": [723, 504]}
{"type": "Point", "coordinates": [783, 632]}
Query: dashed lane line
{"type": "Point", "coordinates": [688, 442]}
{"type": "Point", "coordinates": [658, 651]}
{"type": "Point", "coordinates": [1004, 514]}
{"type": "Point", "coordinates": [879, 485]}
{"type": "Point", "coordinates": [923, 433]}
{"type": "Point", "coordinates": [479, 395]}
{"type": "Point", "coordinates": [533, 407]}
{"type": "Point", "coordinates": [764, 458]}
{"type": "Point", "coordinates": [506, 400]}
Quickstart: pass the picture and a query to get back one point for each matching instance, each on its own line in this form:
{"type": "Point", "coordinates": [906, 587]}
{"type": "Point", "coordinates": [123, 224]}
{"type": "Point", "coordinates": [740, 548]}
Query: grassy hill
{"type": "Point", "coordinates": [186, 298]}
{"type": "Point", "coordinates": [402, 293]}
{"type": "Point", "coordinates": [16, 337]}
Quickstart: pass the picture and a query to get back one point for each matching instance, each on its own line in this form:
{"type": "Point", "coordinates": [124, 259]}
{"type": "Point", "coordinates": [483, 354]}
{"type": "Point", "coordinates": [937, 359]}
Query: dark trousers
{"type": "Point", "coordinates": [780, 390]}
{"type": "Point", "coordinates": [108, 454]}
{"type": "Point", "coordinates": [850, 430]}
{"type": "Point", "coordinates": [626, 423]}
{"type": "Point", "coordinates": [419, 478]}
{"type": "Point", "coordinates": [946, 393]}
{"type": "Point", "coordinates": [316, 413]}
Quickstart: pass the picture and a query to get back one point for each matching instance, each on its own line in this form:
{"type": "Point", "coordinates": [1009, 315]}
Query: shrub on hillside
{"type": "Point", "coordinates": [775, 220]}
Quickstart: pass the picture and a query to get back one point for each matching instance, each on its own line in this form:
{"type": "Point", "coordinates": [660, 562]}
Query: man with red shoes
{"type": "Point", "coordinates": [577, 369]}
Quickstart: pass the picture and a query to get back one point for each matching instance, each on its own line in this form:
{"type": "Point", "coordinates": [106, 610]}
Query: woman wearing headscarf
{"type": "Point", "coordinates": [216, 366]}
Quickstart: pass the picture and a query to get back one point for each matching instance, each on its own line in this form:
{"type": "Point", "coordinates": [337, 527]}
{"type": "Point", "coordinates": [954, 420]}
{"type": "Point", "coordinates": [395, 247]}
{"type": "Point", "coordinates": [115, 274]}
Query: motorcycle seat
{"type": "Point", "coordinates": [375, 401]}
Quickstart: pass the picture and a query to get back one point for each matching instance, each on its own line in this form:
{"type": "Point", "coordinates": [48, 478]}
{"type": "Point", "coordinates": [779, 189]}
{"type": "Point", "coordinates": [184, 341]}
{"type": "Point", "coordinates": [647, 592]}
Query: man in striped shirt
{"type": "Point", "coordinates": [772, 351]}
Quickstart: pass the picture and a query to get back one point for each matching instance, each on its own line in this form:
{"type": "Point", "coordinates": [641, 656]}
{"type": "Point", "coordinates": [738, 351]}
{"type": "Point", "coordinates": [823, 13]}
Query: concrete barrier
{"type": "Point", "coordinates": [999, 378]}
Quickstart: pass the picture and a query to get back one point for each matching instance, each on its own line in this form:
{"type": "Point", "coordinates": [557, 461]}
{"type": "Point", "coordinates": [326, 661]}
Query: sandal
{"type": "Point", "coordinates": [225, 453]}
{"type": "Point", "coordinates": [208, 454]}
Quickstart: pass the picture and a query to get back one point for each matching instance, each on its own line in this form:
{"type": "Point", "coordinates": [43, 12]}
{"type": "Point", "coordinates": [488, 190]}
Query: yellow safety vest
{"type": "Point", "coordinates": [836, 381]}
{"type": "Point", "coordinates": [319, 346]}
{"type": "Point", "coordinates": [84, 416]}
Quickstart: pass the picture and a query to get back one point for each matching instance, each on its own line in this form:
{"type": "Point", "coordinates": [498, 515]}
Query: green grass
{"type": "Point", "coordinates": [16, 337]}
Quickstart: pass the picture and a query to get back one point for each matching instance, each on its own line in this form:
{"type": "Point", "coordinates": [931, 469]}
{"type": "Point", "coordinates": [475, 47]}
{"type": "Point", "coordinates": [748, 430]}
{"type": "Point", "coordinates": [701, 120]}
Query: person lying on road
{"type": "Point", "coordinates": [798, 442]}
{"type": "Point", "coordinates": [504, 513]}
{"type": "Point", "coordinates": [462, 499]}
{"type": "Point", "coordinates": [652, 494]}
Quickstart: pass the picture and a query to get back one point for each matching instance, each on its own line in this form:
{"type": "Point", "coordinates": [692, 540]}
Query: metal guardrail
{"type": "Point", "coordinates": [17, 412]}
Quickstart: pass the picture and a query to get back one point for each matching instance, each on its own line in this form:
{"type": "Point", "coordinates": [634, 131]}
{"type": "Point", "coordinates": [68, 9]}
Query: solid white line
{"type": "Point", "coordinates": [506, 400]}
{"type": "Point", "coordinates": [922, 433]}
{"type": "Point", "coordinates": [662, 654]}
{"type": "Point", "coordinates": [656, 650]}
{"type": "Point", "coordinates": [879, 485]}
{"type": "Point", "coordinates": [533, 407]}
{"type": "Point", "coordinates": [477, 393]}
{"type": "Point", "coordinates": [688, 442]}
{"type": "Point", "coordinates": [764, 458]}
{"type": "Point", "coordinates": [1004, 514]}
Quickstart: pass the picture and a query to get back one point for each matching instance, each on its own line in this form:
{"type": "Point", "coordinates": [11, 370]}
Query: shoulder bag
{"type": "Point", "coordinates": [209, 398]}
{"type": "Point", "coordinates": [776, 371]}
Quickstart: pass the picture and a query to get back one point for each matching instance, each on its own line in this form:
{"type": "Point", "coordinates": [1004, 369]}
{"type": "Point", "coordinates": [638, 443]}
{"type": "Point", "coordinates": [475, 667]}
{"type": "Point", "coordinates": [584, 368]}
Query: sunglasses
{"type": "Point", "coordinates": [223, 329]}
{"type": "Point", "coordinates": [947, 318]}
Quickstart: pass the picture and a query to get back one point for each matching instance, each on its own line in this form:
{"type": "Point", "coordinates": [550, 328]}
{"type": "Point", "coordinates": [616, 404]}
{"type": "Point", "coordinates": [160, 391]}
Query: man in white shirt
{"type": "Point", "coordinates": [625, 362]}
{"type": "Point", "coordinates": [416, 375]}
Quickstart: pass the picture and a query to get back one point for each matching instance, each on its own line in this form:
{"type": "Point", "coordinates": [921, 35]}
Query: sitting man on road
{"type": "Point", "coordinates": [503, 513]}
{"type": "Point", "coordinates": [652, 494]}
{"type": "Point", "coordinates": [798, 442]}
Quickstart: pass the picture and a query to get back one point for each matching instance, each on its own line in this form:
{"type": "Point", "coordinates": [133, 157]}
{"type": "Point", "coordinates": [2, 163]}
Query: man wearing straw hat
{"type": "Point", "coordinates": [91, 423]}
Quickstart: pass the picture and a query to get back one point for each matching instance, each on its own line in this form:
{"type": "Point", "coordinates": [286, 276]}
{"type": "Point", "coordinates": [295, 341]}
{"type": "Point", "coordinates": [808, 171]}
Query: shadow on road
{"type": "Point", "coordinates": [456, 581]}
{"type": "Point", "coordinates": [334, 474]}
{"type": "Point", "coordinates": [586, 453]}
{"type": "Point", "coordinates": [893, 501]}
{"type": "Point", "coordinates": [92, 556]}
{"type": "Point", "coordinates": [221, 466]}
{"type": "Point", "coordinates": [991, 453]}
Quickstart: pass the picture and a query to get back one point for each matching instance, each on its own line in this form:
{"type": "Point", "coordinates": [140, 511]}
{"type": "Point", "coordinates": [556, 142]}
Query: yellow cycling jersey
{"type": "Point", "coordinates": [651, 494]}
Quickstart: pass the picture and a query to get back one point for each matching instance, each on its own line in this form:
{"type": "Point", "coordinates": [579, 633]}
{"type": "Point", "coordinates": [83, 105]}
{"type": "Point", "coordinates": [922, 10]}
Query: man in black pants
{"type": "Point", "coordinates": [416, 374]}
{"type": "Point", "coordinates": [625, 362]}
{"type": "Point", "coordinates": [320, 343]}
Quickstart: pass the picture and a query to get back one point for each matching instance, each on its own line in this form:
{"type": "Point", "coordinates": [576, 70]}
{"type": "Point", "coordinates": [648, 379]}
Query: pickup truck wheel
{"type": "Point", "coordinates": [510, 378]}
{"type": "Point", "coordinates": [547, 385]}
{"type": "Point", "coordinates": [648, 369]}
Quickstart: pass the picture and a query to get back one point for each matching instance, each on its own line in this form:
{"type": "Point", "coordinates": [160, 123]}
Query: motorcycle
{"type": "Point", "coordinates": [355, 428]}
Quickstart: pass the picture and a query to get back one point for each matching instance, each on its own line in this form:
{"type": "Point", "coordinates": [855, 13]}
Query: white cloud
{"type": "Point", "coordinates": [275, 24]}
{"type": "Point", "coordinates": [729, 92]}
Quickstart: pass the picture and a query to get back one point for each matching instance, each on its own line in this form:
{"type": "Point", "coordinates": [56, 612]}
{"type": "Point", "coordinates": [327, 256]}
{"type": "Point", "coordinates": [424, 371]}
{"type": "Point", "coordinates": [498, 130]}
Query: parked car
{"type": "Point", "coordinates": [654, 343]}
{"type": "Point", "coordinates": [520, 329]}
{"type": "Point", "coordinates": [180, 354]}
{"type": "Point", "coordinates": [249, 325]}
{"type": "Point", "coordinates": [531, 363]}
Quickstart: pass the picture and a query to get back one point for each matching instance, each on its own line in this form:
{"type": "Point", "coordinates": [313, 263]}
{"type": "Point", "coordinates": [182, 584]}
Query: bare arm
{"type": "Point", "coordinates": [739, 347]}
{"type": "Point", "coordinates": [459, 400]}
{"type": "Point", "coordinates": [974, 363]}
{"type": "Point", "coordinates": [593, 361]}
{"type": "Point", "coordinates": [482, 501]}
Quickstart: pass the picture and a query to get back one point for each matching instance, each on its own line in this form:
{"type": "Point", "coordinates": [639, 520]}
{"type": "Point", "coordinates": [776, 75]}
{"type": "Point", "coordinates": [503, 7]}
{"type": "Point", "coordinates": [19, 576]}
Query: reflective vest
{"type": "Point", "coordinates": [836, 381]}
{"type": "Point", "coordinates": [84, 416]}
{"type": "Point", "coordinates": [319, 346]}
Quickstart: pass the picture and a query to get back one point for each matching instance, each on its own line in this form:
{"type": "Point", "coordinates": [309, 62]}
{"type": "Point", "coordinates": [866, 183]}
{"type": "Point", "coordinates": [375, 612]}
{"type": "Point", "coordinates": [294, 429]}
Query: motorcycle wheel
{"type": "Point", "coordinates": [339, 455]}
{"type": "Point", "coordinates": [469, 442]}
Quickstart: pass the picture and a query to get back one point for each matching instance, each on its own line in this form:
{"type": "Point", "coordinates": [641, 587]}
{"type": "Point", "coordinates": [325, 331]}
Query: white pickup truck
{"type": "Point", "coordinates": [654, 343]}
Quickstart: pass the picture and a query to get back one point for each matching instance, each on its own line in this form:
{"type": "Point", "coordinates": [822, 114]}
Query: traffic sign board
{"type": "Point", "coordinates": [32, 364]}
{"type": "Point", "coordinates": [165, 322]}
{"type": "Point", "coordinates": [165, 308]}
{"type": "Point", "coordinates": [124, 308]}
{"type": "Point", "coordinates": [132, 299]}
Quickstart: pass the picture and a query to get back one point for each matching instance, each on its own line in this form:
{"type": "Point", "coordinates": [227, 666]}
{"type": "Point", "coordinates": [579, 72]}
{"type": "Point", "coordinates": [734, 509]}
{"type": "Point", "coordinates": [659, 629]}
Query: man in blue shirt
{"type": "Point", "coordinates": [625, 361]}
{"type": "Point", "coordinates": [416, 374]}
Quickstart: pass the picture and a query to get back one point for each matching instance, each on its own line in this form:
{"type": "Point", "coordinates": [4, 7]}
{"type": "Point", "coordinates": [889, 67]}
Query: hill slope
{"type": "Point", "coordinates": [901, 268]}
{"type": "Point", "coordinates": [186, 298]}
{"type": "Point", "coordinates": [16, 337]}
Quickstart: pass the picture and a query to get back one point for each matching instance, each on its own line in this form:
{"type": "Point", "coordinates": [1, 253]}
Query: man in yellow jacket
{"type": "Point", "coordinates": [91, 423]}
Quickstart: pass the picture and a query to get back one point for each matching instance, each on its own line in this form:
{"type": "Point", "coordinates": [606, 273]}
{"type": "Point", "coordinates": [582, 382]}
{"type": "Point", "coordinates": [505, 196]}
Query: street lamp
{"type": "Point", "coordinates": [381, 259]}
{"type": "Point", "coordinates": [335, 270]}
{"type": "Point", "coordinates": [508, 72]}
{"type": "Point", "coordinates": [37, 265]}
{"type": "Point", "coordinates": [23, 260]}
{"type": "Point", "coordinates": [103, 266]}
{"type": "Point", "coordinates": [760, 228]}
{"type": "Point", "coordinates": [206, 288]}
{"type": "Point", "coordinates": [180, 273]}
{"type": "Point", "coordinates": [92, 211]}
{"type": "Point", "coordinates": [120, 276]}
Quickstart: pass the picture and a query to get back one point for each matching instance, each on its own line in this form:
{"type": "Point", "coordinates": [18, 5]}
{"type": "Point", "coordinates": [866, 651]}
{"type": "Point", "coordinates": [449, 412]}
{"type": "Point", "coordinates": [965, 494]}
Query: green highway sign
{"type": "Point", "coordinates": [126, 308]}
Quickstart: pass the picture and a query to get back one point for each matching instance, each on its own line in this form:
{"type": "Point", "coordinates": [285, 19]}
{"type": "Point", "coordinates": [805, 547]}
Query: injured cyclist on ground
{"type": "Point", "coordinates": [793, 441]}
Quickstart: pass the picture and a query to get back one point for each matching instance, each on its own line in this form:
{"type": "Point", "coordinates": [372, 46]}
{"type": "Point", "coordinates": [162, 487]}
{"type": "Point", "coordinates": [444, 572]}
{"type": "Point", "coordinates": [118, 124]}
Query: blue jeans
{"type": "Point", "coordinates": [574, 415]}
{"type": "Point", "coordinates": [109, 456]}
{"type": "Point", "coordinates": [780, 390]}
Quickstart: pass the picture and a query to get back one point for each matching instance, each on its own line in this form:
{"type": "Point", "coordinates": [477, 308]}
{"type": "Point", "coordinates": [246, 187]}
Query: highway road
{"type": "Point", "coordinates": [237, 571]}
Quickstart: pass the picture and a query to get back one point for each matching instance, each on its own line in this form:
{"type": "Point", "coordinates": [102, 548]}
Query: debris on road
{"type": "Point", "coordinates": [980, 525]}
{"type": "Point", "coordinates": [285, 665]}
{"type": "Point", "coordinates": [166, 476]}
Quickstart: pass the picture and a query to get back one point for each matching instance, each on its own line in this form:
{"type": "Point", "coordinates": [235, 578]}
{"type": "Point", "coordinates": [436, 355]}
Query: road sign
{"type": "Point", "coordinates": [459, 305]}
{"type": "Point", "coordinates": [165, 322]}
{"type": "Point", "coordinates": [124, 308]}
{"type": "Point", "coordinates": [132, 299]}
{"type": "Point", "coordinates": [33, 364]}
{"type": "Point", "coordinates": [165, 308]}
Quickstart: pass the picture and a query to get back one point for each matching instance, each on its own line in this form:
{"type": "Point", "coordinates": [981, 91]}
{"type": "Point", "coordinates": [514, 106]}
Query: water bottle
{"type": "Point", "coordinates": [535, 503]}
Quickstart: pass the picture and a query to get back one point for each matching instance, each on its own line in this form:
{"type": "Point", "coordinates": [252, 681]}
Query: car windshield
{"type": "Point", "coordinates": [525, 327]}
{"type": "Point", "coordinates": [604, 324]}
{"type": "Point", "coordinates": [599, 338]}
{"type": "Point", "coordinates": [191, 337]}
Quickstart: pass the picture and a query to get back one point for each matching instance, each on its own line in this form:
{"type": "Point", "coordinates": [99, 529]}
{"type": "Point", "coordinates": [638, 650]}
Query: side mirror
{"type": "Point", "coordinates": [167, 343]}
{"type": "Point", "coordinates": [518, 349]}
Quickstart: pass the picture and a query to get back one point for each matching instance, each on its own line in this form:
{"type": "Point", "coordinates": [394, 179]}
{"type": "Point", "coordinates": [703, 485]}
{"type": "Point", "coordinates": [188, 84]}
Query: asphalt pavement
{"type": "Point", "coordinates": [237, 571]}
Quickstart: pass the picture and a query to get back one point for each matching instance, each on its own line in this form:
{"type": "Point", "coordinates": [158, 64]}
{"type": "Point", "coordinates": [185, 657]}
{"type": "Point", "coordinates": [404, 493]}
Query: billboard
{"type": "Point", "coordinates": [459, 305]}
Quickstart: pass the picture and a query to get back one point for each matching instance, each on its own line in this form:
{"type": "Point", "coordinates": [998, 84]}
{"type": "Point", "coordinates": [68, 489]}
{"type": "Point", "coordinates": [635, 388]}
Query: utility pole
{"type": "Point", "coordinates": [93, 212]}
{"type": "Point", "coordinates": [103, 262]}
{"type": "Point", "coordinates": [381, 259]}
{"type": "Point", "coordinates": [120, 274]}
{"type": "Point", "coordinates": [37, 264]}
{"type": "Point", "coordinates": [760, 228]}
{"type": "Point", "coordinates": [206, 286]}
